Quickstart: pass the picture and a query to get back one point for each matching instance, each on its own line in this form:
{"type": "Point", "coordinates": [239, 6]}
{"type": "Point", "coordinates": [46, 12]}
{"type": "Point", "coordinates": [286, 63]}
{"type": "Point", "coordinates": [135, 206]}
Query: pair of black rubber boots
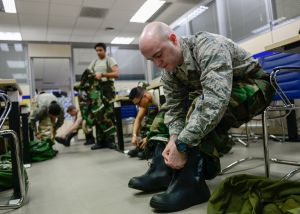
{"type": "Point", "coordinates": [107, 143]}
{"type": "Point", "coordinates": [184, 188]}
{"type": "Point", "coordinates": [138, 152]}
{"type": "Point", "coordinates": [67, 141]}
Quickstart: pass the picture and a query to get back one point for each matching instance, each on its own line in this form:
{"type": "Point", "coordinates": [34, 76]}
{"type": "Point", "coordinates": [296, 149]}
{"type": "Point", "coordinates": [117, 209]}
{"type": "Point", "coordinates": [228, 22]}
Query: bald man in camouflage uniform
{"type": "Point", "coordinates": [226, 87]}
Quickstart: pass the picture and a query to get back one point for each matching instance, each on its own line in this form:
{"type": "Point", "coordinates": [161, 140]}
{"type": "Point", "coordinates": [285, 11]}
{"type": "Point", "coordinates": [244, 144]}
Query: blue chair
{"type": "Point", "coordinates": [286, 81]}
{"type": "Point", "coordinates": [284, 93]}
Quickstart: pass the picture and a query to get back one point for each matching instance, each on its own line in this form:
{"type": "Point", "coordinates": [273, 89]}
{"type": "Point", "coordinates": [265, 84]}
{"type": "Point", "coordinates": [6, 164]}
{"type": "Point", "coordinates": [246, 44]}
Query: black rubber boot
{"type": "Point", "coordinates": [89, 139]}
{"type": "Point", "coordinates": [142, 155]}
{"type": "Point", "coordinates": [157, 177]}
{"type": "Point", "coordinates": [110, 142]}
{"type": "Point", "coordinates": [186, 189]}
{"type": "Point", "coordinates": [61, 141]}
{"type": "Point", "coordinates": [99, 145]}
{"type": "Point", "coordinates": [69, 138]}
{"type": "Point", "coordinates": [133, 152]}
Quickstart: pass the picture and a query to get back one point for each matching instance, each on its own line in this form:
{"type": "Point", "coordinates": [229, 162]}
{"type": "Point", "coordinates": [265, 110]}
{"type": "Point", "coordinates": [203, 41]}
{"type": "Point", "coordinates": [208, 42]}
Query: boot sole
{"type": "Point", "coordinates": [147, 190]}
{"type": "Point", "coordinates": [162, 207]}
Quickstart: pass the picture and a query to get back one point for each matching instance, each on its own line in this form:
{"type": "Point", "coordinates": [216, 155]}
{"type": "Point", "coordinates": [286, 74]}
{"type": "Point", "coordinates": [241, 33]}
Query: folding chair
{"type": "Point", "coordinates": [16, 202]}
{"type": "Point", "coordinates": [287, 107]}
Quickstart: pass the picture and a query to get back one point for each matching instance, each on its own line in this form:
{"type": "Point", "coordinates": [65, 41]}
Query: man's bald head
{"type": "Point", "coordinates": [153, 31]}
{"type": "Point", "coordinates": [159, 43]}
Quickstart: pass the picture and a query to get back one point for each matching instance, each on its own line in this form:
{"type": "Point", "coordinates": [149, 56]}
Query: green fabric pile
{"type": "Point", "coordinates": [245, 194]}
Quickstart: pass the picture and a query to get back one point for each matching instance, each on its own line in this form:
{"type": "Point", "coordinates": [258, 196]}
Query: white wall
{"type": "Point", "coordinates": [258, 44]}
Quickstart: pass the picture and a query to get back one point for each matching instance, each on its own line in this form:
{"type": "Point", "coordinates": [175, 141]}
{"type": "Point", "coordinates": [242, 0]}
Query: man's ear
{"type": "Point", "coordinates": [173, 37]}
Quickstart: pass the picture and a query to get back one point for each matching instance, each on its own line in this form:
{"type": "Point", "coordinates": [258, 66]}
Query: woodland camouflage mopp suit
{"type": "Point", "coordinates": [95, 98]}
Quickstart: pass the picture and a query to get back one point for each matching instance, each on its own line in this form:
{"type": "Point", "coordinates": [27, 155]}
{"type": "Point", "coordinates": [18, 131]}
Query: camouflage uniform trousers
{"type": "Point", "coordinates": [151, 114]}
{"type": "Point", "coordinates": [247, 100]}
{"type": "Point", "coordinates": [46, 129]}
{"type": "Point", "coordinates": [95, 100]}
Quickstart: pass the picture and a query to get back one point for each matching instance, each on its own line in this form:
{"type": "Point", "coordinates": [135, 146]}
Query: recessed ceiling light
{"type": "Point", "coordinates": [122, 40]}
{"type": "Point", "coordinates": [146, 11]}
{"type": "Point", "coordinates": [9, 6]}
{"type": "Point", "coordinates": [10, 36]}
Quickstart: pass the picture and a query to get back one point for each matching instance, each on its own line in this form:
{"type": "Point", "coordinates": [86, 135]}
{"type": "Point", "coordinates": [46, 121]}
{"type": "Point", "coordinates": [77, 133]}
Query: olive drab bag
{"type": "Point", "coordinates": [41, 150]}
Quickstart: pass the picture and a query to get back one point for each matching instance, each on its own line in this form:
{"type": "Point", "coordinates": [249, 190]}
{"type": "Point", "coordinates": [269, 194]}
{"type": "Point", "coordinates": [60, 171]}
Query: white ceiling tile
{"type": "Point", "coordinates": [91, 23]}
{"type": "Point", "coordinates": [75, 38]}
{"type": "Point", "coordinates": [58, 37]}
{"type": "Point", "coordinates": [121, 15]}
{"type": "Point", "coordinates": [33, 20]}
{"type": "Point", "coordinates": [105, 36]}
{"type": "Point", "coordinates": [60, 30]}
{"type": "Point", "coordinates": [9, 28]}
{"type": "Point", "coordinates": [98, 3]}
{"type": "Point", "coordinates": [117, 25]}
{"type": "Point", "coordinates": [61, 21]}
{"type": "Point", "coordinates": [84, 32]}
{"type": "Point", "coordinates": [32, 7]}
{"type": "Point", "coordinates": [134, 27]}
{"type": "Point", "coordinates": [64, 10]}
{"type": "Point", "coordinates": [8, 19]}
{"type": "Point", "coordinates": [33, 34]}
{"type": "Point", "coordinates": [132, 5]}
{"type": "Point", "coordinates": [70, 2]}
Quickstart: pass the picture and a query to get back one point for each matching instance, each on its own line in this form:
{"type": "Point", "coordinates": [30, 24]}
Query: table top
{"type": "Point", "coordinates": [155, 85]}
{"type": "Point", "coordinates": [121, 98]}
{"type": "Point", "coordinates": [290, 45]}
{"type": "Point", "coordinates": [9, 84]}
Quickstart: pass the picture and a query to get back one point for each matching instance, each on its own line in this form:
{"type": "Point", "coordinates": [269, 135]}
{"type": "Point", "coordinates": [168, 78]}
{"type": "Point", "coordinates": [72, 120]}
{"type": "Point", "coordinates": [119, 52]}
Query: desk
{"type": "Point", "coordinates": [290, 45]}
{"type": "Point", "coordinates": [117, 109]}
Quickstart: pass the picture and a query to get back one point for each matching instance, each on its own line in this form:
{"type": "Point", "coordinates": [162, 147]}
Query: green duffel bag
{"type": "Point", "coordinates": [5, 175]}
{"type": "Point", "coordinates": [6, 172]}
{"type": "Point", "coordinates": [42, 150]}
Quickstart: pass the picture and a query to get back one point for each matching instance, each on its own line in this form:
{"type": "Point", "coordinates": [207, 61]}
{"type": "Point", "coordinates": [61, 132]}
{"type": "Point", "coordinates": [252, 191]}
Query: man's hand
{"type": "Point", "coordinates": [173, 158]}
{"type": "Point", "coordinates": [143, 143]}
{"type": "Point", "coordinates": [134, 140]}
{"type": "Point", "coordinates": [38, 136]}
{"type": "Point", "coordinates": [98, 76]}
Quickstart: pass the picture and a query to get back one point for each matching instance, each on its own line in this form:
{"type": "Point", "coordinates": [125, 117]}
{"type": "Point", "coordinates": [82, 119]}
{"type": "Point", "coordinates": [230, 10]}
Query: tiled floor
{"type": "Point", "coordinates": [81, 181]}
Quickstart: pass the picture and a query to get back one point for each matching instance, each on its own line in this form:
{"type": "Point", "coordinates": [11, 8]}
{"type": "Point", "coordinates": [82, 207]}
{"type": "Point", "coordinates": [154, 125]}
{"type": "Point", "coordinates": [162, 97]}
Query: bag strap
{"type": "Point", "coordinates": [107, 65]}
{"type": "Point", "coordinates": [93, 66]}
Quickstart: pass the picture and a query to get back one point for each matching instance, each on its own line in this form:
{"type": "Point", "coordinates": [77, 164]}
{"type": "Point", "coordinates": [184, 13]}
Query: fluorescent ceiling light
{"type": "Point", "coordinates": [19, 76]}
{"type": "Point", "coordinates": [146, 11]}
{"type": "Point", "coordinates": [9, 6]}
{"type": "Point", "coordinates": [18, 47]}
{"type": "Point", "coordinates": [4, 47]}
{"type": "Point", "coordinates": [122, 40]}
{"type": "Point", "coordinates": [10, 36]}
{"type": "Point", "coordinates": [197, 12]}
{"type": "Point", "coordinates": [15, 63]}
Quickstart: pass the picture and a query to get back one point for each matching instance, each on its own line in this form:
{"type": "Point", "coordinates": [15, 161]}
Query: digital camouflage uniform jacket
{"type": "Point", "coordinates": [212, 65]}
